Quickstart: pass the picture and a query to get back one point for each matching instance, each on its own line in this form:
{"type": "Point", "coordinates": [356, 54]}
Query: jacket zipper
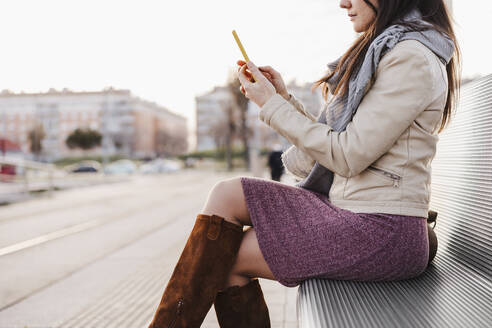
{"type": "Point", "coordinates": [179, 309]}
{"type": "Point", "coordinates": [396, 178]}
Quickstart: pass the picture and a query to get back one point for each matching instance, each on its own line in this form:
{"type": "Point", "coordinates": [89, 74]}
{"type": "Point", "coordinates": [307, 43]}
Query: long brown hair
{"type": "Point", "coordinates": [390, 12]}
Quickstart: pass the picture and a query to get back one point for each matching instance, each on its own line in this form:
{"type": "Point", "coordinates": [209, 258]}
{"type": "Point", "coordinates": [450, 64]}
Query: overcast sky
{"type": "Point", "coordinates": [171, 51]}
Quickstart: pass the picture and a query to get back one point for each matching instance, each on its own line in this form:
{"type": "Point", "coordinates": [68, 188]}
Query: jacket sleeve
{"type": "Point", "coordinates": [402, 90]}
{"type": "Point", "coordinates": [296, 162]}
{"type": "Point", "coordinates": [300, 108]}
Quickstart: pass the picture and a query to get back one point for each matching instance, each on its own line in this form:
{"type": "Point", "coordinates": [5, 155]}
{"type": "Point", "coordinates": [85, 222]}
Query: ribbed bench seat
{"type": "Point", "coordinates": [456, 289]}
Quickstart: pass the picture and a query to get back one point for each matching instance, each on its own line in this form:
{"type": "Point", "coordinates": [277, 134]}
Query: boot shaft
{"type": "Point", "coordinates": [242, 307]}
{"type": "Point", "coordinates": [201, 271]}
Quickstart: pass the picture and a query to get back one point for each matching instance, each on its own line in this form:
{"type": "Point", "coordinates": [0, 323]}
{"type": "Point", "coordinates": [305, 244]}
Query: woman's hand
{"type": "Point", "coordinates": [272, 75]}
{"type": "Point", "coordinates": [258, 92]}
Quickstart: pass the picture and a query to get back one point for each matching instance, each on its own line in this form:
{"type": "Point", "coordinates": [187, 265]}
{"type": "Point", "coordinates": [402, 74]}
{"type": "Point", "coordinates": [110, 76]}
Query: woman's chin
{"type": "Point", "coordinates": [359, 29]}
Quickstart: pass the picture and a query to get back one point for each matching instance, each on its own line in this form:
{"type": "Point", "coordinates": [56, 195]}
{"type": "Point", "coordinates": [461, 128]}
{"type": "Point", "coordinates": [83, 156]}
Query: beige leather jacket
{"type": "Point", "coordinates": [382, 161]}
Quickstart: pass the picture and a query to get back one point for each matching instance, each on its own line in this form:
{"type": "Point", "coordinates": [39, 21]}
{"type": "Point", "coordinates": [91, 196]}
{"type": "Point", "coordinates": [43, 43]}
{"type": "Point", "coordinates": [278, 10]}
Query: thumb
{"type": "Point", "coordinates": [254, 70]}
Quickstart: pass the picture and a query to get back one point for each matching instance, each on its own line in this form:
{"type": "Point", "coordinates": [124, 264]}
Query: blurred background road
{"type": "Point", "coordinates": [100, 256]}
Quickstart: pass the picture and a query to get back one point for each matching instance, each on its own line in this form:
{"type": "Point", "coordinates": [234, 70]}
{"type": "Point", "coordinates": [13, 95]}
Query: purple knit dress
{"type": "Point", "coordinates": [302, 235]}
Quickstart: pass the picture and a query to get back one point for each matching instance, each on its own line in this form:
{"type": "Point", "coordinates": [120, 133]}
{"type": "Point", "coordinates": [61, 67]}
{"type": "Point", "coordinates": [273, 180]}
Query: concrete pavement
{"type": "Point", "coordinates": [100, 256]}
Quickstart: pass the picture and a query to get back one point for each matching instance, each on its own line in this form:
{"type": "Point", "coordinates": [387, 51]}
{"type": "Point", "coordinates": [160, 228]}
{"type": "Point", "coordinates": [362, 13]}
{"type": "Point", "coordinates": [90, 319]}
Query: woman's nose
{"type": "Point", "coordinates": [346, 4]}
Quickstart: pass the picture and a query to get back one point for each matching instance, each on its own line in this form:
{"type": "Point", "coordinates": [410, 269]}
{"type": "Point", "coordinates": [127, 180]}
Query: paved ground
{"type": "Point", "coordinates": [100, 256]}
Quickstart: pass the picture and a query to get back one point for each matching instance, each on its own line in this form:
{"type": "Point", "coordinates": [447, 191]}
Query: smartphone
{"type": "Point", "coordinates": [240, 45]}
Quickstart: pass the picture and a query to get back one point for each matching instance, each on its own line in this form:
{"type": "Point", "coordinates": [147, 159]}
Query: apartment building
{"type": "Point", "coordinates": [129, 125]}
{"type": "Point", "coordinates": [212, 110]}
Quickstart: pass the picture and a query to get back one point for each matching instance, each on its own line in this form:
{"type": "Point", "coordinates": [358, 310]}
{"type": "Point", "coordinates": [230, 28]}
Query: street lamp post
{"type": "Point", "coordinates": [254, 149]}
{"type": "Point", "coordinates": [4, 136]}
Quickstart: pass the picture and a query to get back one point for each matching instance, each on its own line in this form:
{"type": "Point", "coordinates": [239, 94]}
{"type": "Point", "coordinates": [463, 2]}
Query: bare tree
{"type": "Point", "coordinates": [240, 103]}
{"type": "Point", "coordinates": [223, 130]}
{"type": "Point", "coordinates": [230, 130]}
{"type": "Point", "coordinates": [218, 131]}
{"type": "Point", "coordinates": [36, 136]}
{"type": "Point", "coordinates": [169, 144]}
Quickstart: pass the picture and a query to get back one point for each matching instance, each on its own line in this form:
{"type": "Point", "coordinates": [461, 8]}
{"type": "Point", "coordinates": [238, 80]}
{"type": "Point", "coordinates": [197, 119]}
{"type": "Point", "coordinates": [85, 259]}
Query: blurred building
{"type": "Point", "coordinates": [129, 125]}
{"type": "Point", "coordinates": [211, 116]}
{"type": "Point", "coordinates": [267, 137]}
{"type": "Point", "coordinates": [312, 100]}
{"type": "Point", "coordinates": [212, 111]}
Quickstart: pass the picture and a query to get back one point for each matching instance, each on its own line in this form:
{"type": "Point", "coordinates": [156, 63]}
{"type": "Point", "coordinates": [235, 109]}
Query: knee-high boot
{"type": "Point", "coordinates": [200, 273]}
{"type": "Point", "coordinates": [242, 307]}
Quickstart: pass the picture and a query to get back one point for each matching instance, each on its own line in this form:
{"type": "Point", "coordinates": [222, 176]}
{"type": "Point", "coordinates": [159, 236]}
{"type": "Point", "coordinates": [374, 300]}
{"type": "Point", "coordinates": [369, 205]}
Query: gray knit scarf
{"type": "Point", "coordinates": [342, 109]}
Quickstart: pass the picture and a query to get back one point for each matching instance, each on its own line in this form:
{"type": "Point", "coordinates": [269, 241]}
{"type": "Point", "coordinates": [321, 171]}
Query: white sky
{"type": "Point", "coordinates": [171, 51]}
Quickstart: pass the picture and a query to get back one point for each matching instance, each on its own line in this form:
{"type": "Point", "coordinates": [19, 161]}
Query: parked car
{"type": "Point", "coordinates": [122, 166]}
{"type": "Point", "coordinates": [7, 169]}
{"type": "Point", "coordinates": [160, 166]}
{"type": "Point", "coordinates": [7, 173]}
{"type": "Point", "coordinates": [84, 167]}
{"type": "Point", "coordinates": [190, 162]}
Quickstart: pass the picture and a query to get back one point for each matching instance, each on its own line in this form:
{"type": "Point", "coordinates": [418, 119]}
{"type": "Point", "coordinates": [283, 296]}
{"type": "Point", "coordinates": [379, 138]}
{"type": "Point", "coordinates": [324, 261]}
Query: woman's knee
{"type": "Point", "coordinates": [227, 195]}
{"type": "Point", "coordinates": [224, 187]}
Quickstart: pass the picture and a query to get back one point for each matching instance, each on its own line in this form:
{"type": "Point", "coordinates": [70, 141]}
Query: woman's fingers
{"type": "Point", "coordinates": [255, 71]}
{"type": "Point", "coordinates": [263, 69]}
{"type": "Point", "coordinates": [242, 76]}
{"type": "Point", "coordinates": [247, 73]}
{"type": "Point", "coordinates": [270, 70]}
{"type": "Point", "coordinates": [267, 71]}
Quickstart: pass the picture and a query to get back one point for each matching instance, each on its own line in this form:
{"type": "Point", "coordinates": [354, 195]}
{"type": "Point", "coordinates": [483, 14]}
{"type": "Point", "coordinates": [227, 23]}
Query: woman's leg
{"type": "Point", "coordinates": [215, 253]}
{"type": "Point", "coordinates": [250, 262]}
{"type": "Point", "coordinates": [227, 200]}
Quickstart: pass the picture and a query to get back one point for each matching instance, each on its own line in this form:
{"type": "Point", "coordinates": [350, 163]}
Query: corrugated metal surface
{"type": "Point", "coordinates": [462, 180]}
{"type": "Point", "coordinates": [456, 291]}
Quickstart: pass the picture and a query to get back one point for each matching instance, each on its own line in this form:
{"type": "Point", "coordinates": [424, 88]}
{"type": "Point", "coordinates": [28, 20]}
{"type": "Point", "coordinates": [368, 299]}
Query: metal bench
{"type": "Point", "coordinates": [456, 289]}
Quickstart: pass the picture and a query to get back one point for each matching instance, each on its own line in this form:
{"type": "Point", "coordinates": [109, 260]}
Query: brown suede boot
{"type": "Point", "coordinates": [242, 307]}
{"type": "Point", "coordinates": [200, 273]}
